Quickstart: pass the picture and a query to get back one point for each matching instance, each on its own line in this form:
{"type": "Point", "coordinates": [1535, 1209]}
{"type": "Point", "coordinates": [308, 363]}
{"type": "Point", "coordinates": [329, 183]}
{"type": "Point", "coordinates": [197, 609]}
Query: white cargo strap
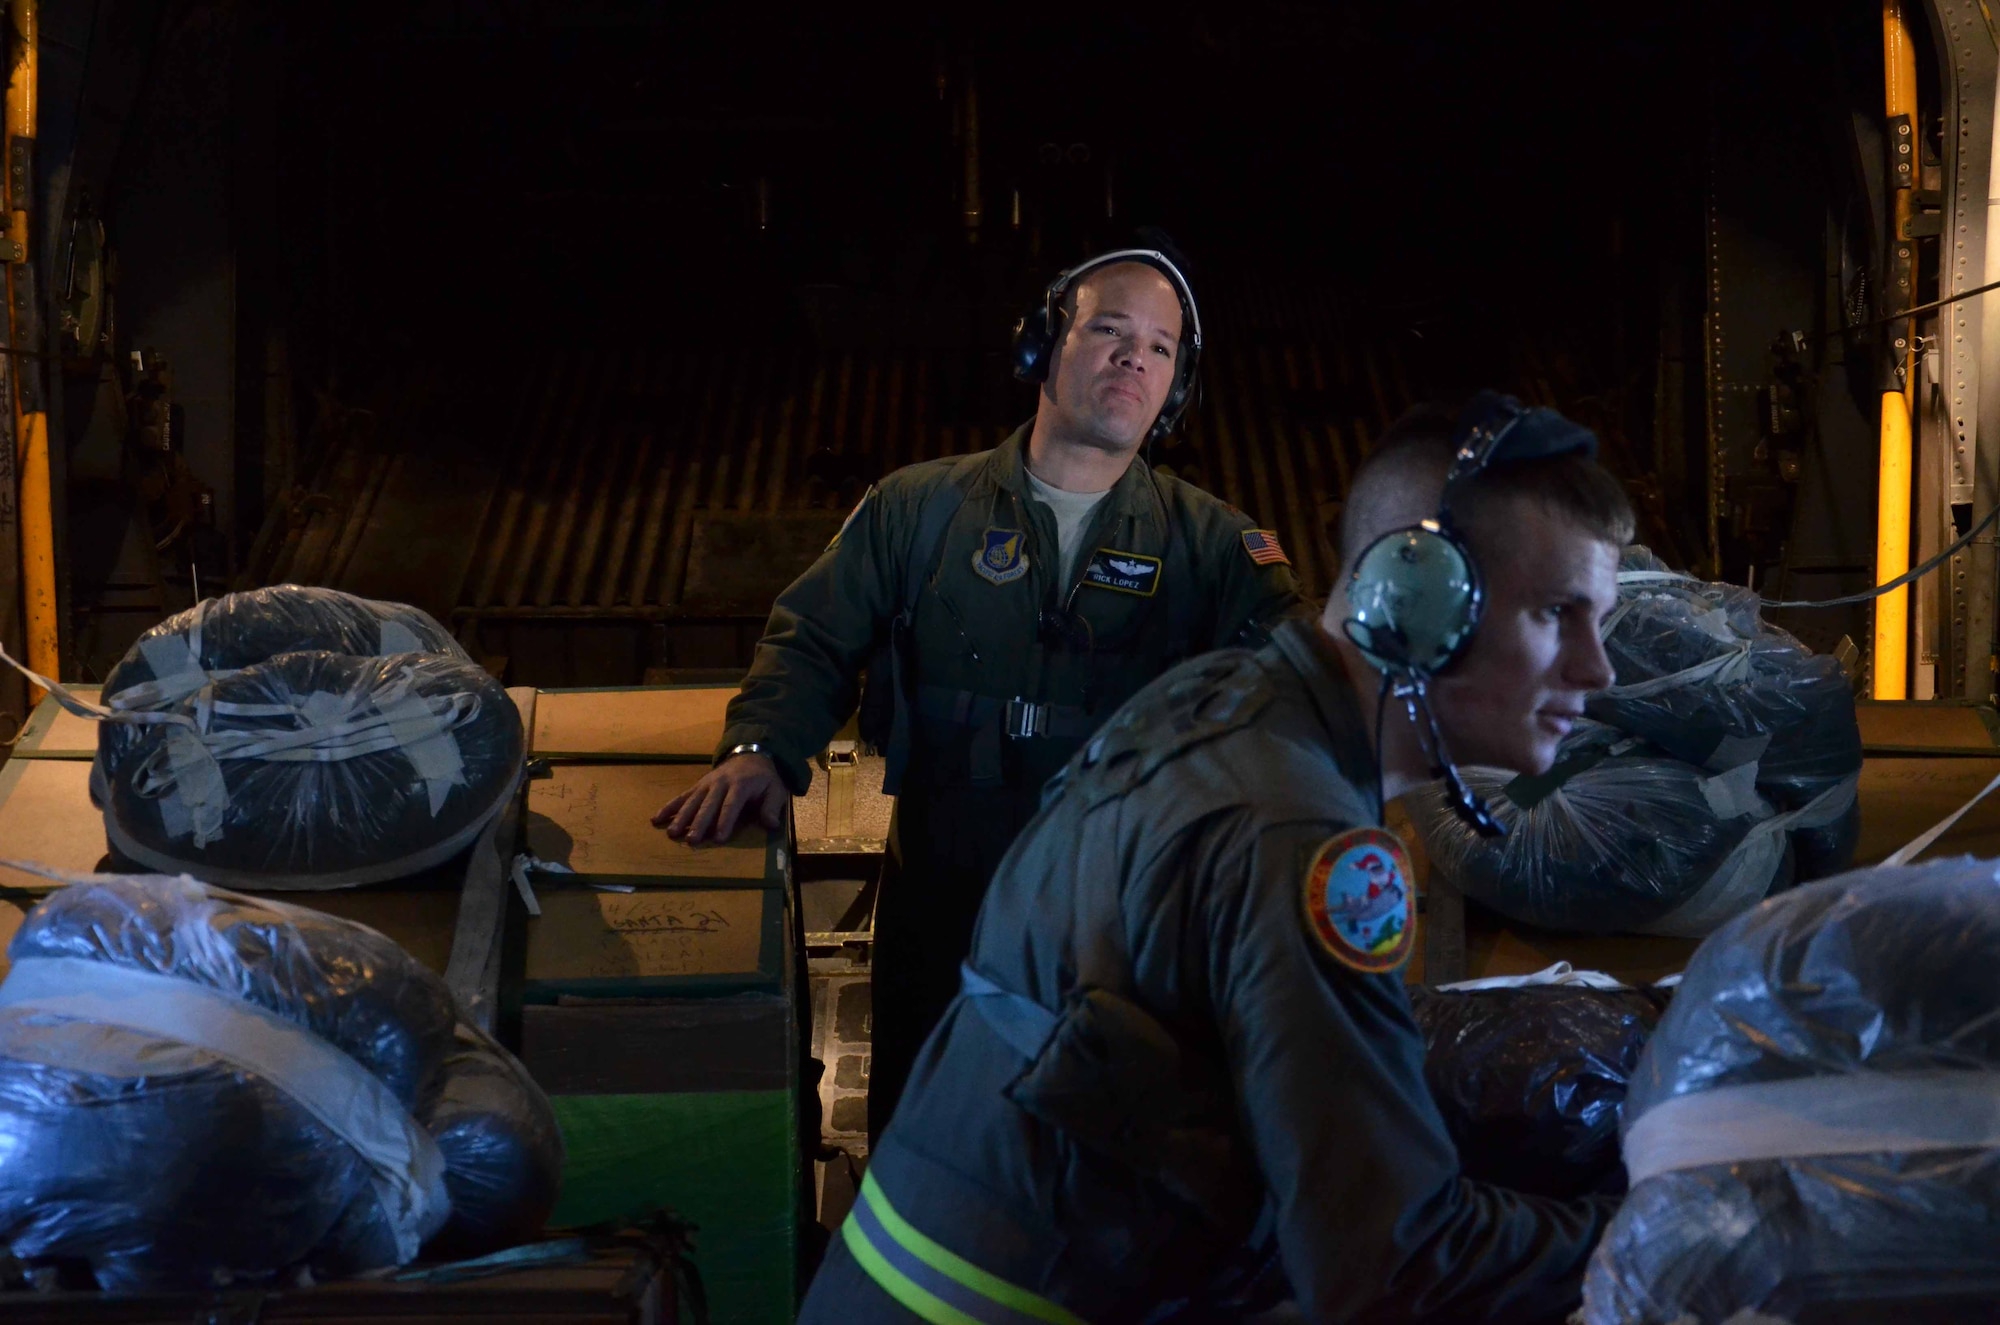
{"type": "Point", "coordinates": [1562, 973]}
{"type": "Point", "coordinates": [185, 773]}
{"type": "Point", "coordinates": [525, 865]}
{"type": "Point", "coordinates": [1744, 876]}
{"type": "Point", "coordinates": [1726, 668]}
{"type": "Point", "coordinates": [1857, 1113]}
{"type": "Point", "coordinates": [351, 1101]}
{"type": "Point", "coordinates": [1917, 845]}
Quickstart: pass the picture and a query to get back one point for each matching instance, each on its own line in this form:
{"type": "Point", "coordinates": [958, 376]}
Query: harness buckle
{"type": "Point", "coordinates": [1025, 719]}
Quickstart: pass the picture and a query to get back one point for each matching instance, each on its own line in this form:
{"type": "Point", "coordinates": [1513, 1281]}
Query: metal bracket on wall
{"type": "Point", "coordinates": [1902, 153]}
{"type": "Point", "coordinates": [20, 185]}
{"type": "Point", "coordinates": [1967, 405]}
{"type": "Point", "coordinates": [28, 382]}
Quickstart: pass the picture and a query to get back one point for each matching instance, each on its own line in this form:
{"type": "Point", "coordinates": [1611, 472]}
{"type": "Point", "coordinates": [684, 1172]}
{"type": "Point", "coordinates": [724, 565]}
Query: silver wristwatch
{"type": "Point", "coordinates": [747, 748]}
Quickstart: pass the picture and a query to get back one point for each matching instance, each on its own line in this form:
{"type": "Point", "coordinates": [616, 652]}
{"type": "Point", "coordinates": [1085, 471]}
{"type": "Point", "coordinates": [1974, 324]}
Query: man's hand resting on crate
{"type": "Point", "coordinates": [707, 813]}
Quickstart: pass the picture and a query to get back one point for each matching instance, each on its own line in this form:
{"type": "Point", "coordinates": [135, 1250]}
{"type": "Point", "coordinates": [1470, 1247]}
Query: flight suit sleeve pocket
{"type": "Point", "coordinates": [1114, 1080]}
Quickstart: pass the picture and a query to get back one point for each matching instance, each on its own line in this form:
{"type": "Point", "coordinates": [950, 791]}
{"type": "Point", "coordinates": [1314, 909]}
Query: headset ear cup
{"type": "Point", "coordinates": [1182, 397]}
{"type": "Point", "coordinates": [1417, 592]}
{"type": "Point", "coordinates": [1032, 344]}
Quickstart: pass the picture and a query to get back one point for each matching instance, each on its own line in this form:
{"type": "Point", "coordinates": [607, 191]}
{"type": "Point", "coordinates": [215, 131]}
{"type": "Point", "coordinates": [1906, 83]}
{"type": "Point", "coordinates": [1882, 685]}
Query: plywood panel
{"type": "Point", "coordinates": [597, 819]}
{"type": "Point", "coordinates": [421, 922]}
{"type": "Point", "coordinates": [631, 724]}
{"type": "Point", "coordinates": [1901, 797]}
{"type": "Point", "coordinates": [53, 732]}
{"type": "Point", "coordinates": [583, 934]}
{"type": "Point", "coordinates": [1923, 726]}
{"type": "Point", "coordinates": [46, 818]}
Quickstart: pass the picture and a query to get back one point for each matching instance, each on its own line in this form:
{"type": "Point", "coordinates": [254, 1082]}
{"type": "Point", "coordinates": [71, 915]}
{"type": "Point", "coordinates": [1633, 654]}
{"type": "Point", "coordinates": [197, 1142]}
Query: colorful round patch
{"type": "Point", "coordinates": [1360, 900]}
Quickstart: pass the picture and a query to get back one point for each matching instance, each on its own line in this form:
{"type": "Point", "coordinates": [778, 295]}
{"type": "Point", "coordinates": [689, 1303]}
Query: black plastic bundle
{"type": "Point", "coordinates": [1530, 1080]}
{"type": "Point", "coordinates": [1615, 837]}
{"type": "Point", "coordinates": [1752, 691]}
{"type": "Point", "coordinates": [503, 1150]}
{"type": "Point", "coordinates": [300, 738]}
{"type": "Point", "coordinates": [1721, 768]}
{"type": "Point", "coordinates": [1812, 1128]}
{"type": "Point", "coordinates": [237, 630]}
{"type": "Point", "coordinates": [144, 1135]}
{"type": "Point", "coordinates": [314, 770]}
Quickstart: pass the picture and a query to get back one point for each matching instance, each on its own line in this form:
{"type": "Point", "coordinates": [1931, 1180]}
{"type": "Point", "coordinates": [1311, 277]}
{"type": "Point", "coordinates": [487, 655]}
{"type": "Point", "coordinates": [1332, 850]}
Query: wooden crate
{"type": "Point", "coordinates": [675, 724]}
{"type": "Point", "coordinates": [1933, 726]}
{"type": "Point", "coordinates": [1903, 796]}
{"type": "Point", "coordinates": [450, 919]}
{"type": "Point", "coordinates": [690, 1105]}
{"type": "Point", "coordinates": [53, 732]}
{"type": "Point", "coordinates": [659, 1005]}
{"type": "Point", "coordinates": [642, 914]}
{"type": "Point", "coordinates": [621, 1286]}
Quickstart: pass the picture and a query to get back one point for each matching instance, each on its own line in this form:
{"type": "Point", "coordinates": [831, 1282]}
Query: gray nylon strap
{"type": "Point", "coordinates": [1860, 1113]}
{"type": "Point", "coordinates": [1023, 1023]}
{"type": "Point", "coordinates": [332, 1087]}
{"type": "Point", "coordinates": [1744, 876]}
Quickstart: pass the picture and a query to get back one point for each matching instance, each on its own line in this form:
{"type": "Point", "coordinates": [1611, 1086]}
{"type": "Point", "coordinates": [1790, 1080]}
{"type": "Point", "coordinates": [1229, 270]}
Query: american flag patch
{"type": "Point", "coordinates": [1262, 545]}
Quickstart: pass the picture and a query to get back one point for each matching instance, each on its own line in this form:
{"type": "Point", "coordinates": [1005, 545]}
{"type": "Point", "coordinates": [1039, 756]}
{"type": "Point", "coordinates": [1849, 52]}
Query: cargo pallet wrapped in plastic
{"type": "Point", "coordinates": [1530, 1073]}
{"type": "Point", "coordinates": [299, 738]}
{"type": "Point", "coordinates": [1814, 1129]}
{"type": "Point", "coordinates": [1704, 678]}
{"type": "Point", "coordinates": [199, 1088]}
{"type": "Point", "coordinates": [1720, 769]}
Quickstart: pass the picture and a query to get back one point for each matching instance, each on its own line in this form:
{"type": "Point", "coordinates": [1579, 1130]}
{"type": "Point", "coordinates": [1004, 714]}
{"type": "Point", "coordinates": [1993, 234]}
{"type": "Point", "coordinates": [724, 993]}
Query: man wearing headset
{"type": "Point", "coordinates": [1182, 1073]}
{"type": "Point", "coordinates": [1019, 596]}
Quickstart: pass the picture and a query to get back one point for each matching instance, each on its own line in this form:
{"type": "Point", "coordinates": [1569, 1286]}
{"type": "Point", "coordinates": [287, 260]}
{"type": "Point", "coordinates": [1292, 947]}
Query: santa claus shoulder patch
{"type": "Point", "coordinates": [1360, 902]}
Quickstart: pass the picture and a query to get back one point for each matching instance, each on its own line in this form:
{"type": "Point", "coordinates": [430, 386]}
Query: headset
{"type": "Point", "coordinates": [1416, 595]}
{"type": "Point", "coordinates": [1035, 334]}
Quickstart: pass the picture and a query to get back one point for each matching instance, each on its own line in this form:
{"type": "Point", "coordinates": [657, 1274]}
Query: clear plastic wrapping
{"type": "Point", "coordinates": [1721, 768]}
{"type": "Point", "coordinates": [313, 770]}
{"type": "Point", "coordinates": [1615, 837]}
{"type": "Point", "coordinates": [1530, 1081]}
{"type": "Point", "coordinates": [157, 1162]}
{"type": "Point", "coordinates": [1881, 980]}
{"type": "Point", "coordinates": [220, 635]}
{"type": "Point", "coordinates": [1704, 678]}
{"type": "Point", "coordinates": [300, 738]}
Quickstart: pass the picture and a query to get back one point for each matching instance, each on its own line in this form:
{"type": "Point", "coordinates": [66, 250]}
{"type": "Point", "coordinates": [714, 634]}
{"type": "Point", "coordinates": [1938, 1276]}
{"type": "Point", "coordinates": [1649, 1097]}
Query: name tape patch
{"type": "Point", "coordinates": [1123, 572]}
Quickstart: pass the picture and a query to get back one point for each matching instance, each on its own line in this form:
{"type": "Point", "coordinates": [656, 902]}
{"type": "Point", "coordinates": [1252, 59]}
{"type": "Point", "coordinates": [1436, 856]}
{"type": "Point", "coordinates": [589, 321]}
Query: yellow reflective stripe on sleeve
{"type": "Point", "coordinates": [897, 1284]}
{"type": "Point", "coordinates": [956, 1267]}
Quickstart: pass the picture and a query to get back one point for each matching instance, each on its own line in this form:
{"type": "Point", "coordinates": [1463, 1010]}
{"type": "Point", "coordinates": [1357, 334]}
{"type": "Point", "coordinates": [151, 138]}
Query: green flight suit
{"type": "Point", "coordinates": [1178, 1080]}
{"type": "Point", "coordinates": [993, 644]}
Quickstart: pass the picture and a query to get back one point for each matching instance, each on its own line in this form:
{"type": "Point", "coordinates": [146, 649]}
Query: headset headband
{"type": "Point", "coordinates": [1151, 257]}
{"type": "Point", "coordinates": [1492, 421]}
{"type": "Point", "coordinates": [1478, 443]}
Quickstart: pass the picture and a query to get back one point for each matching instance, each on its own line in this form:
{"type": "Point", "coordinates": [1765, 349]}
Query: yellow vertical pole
{"type": "Point", "coordinates": [1891, 669]}
{"type": "Point", "coordinates": [31, 423]}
